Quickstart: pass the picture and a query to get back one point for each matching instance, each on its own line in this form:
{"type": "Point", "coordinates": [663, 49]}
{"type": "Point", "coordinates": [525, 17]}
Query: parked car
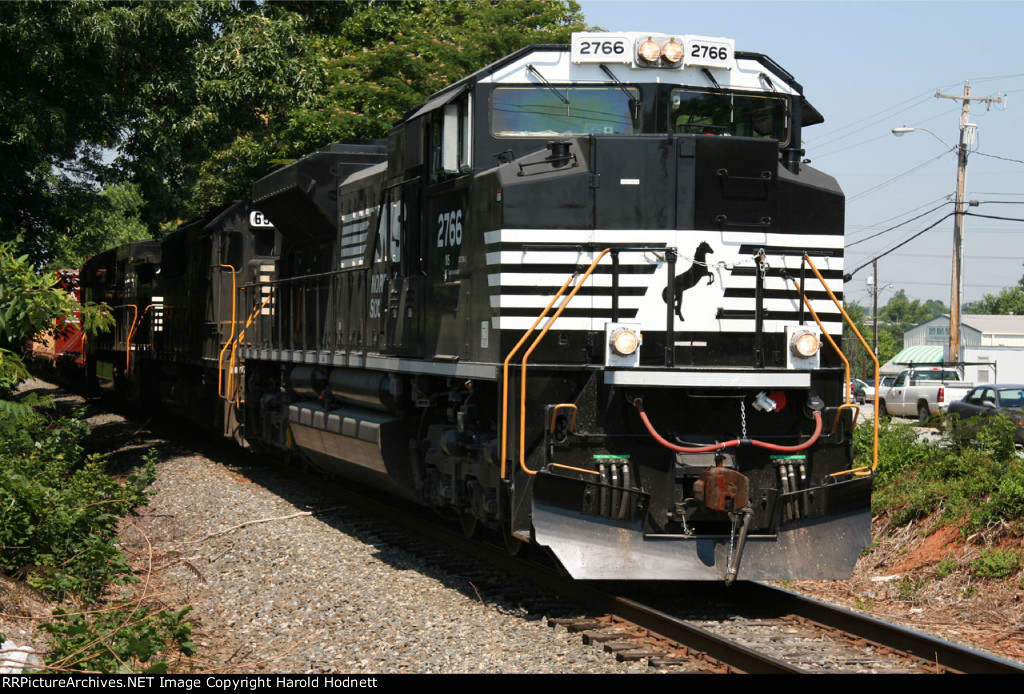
{"type": "Point", "coordinates": [869, 388]}
{"type": "Point", "coordinates": [991, 399]}
{"type": "Point", "coordinates": [858, 391]}
{"type": "Point", "coordinates": [922, 391]}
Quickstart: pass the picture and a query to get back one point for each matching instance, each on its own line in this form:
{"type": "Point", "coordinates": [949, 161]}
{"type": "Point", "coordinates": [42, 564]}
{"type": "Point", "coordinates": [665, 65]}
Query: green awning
{"type": "Point", "coordinates": [919, 354]}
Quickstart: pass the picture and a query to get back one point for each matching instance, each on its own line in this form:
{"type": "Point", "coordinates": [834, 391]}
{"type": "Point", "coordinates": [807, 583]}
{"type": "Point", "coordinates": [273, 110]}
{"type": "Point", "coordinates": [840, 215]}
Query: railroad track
{"type": "Point", "coordinates": [749, 628]}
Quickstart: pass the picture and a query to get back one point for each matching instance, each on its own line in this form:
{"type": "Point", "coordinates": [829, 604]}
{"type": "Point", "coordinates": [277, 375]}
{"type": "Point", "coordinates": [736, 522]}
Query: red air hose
{"type": "Point", "coordinates": [639, 404]}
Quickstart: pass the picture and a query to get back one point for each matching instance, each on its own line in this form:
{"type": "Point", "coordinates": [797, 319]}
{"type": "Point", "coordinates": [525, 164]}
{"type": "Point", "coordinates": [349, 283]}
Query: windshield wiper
{"type": "Point", "coordinates": [634, 103]}
{"type": "Point", "coordinates": [536, 73]}
{"type": "Point", "coordinates": [707, 73]}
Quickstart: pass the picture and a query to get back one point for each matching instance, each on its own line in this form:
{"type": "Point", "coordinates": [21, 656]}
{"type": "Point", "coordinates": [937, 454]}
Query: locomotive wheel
{"type": "Point", "coordinates": [469, 523]}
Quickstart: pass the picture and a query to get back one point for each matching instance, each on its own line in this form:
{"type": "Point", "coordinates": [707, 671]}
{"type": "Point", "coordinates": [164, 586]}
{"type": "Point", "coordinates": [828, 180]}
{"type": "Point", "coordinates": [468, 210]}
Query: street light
{"type": "Point", "coordinates": [901, 131]}
{"type": "Point", "coordinates": [967, 131]}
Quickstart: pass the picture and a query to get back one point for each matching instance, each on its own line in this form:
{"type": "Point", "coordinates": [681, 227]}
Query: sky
{"type": "Point", "coordinates": [869, 67]}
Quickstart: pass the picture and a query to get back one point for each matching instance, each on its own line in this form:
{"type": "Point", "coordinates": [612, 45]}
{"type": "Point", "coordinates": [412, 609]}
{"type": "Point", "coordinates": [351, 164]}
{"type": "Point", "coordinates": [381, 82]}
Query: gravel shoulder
{"type": "Point", "coordinates": [277, 589]}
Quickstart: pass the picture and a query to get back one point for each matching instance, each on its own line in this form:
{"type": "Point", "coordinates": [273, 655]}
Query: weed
{"type": "Point", "coordinates": [127, 639]}
{"type": "Point", "coordinates": [945, 567]}
{"type": "Point", "coordinates": [996, 563]}
{"type": "Point", "coordinates": [58, 523]}
{"type": "Point", "coordinates": [967, 487]}
{"type": "Point", "coordinates": [907, 587]}
{"type": "Point", "coordinates": [865, 603]}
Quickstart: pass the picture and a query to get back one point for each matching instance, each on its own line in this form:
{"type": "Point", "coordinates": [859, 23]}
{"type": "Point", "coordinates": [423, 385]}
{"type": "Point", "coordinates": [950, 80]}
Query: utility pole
{"type": "Point", "coordinates": [875, 290]}
{"type": "Point", "coordinates": [967, 131]}
{"type": "Point", "coordinates": [874, 306]}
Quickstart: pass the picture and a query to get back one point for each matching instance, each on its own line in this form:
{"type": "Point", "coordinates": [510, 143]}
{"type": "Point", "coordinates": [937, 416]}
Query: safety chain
{"type": "Point", "coordinates": [758, 258]}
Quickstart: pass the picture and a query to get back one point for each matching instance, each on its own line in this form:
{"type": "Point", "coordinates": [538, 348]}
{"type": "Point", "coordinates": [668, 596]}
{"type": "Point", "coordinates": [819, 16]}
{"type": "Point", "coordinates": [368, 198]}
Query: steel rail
{"type": "Point", "coordinates": [929, 648]}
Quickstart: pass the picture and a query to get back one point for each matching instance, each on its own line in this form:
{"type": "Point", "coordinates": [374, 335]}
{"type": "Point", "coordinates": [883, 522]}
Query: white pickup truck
{"type": "Point", "coordinates": [922, 391]}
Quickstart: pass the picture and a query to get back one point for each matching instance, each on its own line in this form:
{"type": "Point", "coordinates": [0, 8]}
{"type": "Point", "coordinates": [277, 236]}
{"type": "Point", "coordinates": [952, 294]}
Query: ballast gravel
{"type": "Point", "coordinates": [276, 592]}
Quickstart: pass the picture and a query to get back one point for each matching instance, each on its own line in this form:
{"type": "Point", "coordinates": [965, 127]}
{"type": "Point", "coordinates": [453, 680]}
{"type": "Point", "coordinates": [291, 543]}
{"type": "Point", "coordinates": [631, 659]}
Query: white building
{"type": "Point", "coordinates": [994, 343]}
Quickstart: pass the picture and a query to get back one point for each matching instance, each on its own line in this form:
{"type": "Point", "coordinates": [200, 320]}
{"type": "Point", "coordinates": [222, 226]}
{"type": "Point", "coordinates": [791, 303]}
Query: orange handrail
{"type": "Point", "coordinates": [863, 342]}
{"type": "Point", "coordinates": [234, 323]}
{"type": "Point", "coordinates": [504, 391]}
{"type": "Point", "coordinates": [846, 362]}
{"type": "Point", "coordinates": [234, 351]}
{"type": "Point", "coordinates": [526, 357]}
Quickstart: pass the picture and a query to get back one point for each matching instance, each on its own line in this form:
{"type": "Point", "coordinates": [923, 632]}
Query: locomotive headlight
{"type": "Point", "coordinates": [648, 51]}
{"type": "Point", "coordinates": [672, 52]}
{"type": "Point", "coordinates": [805, 343]}
{"type": "Point", "coordinates": [625, 341]}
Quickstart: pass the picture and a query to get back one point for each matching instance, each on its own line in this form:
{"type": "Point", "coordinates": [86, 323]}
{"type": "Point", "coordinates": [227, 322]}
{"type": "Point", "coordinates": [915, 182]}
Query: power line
{"type": "Point", "coordinates": [884, 231]}
{"type": "Point", "coordinates": [860, 121]}
{"type": "Point", "coordinates": [991, 216]}
{"type": "Point", "coordinates": [848, 276]}
{"type": "Point", "coordinates": [866, 227]}
{"type": "Point", "coordinates": [895, 178]}
{"type": "Point", "coordinates": [996, 156]}
{"type": "Point", "coordinates": [819, 155]}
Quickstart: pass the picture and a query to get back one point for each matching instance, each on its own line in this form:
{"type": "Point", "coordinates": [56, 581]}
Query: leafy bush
{"type": "Point", "coordinates": [946, 567]}
{"type": "Point", "coordinates": [996, 563]}
{"type": "Point", "coordinates": [969, 486]}
{"type": "Point", "coordinates": [121, 640]}
{"type": "Point", "coordinates": [29, 304]}
{"type": "Point", "coordinates": [59, 510]}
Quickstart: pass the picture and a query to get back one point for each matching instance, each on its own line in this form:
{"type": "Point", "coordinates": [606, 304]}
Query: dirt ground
{"type": "Point", "coordinates": [919, 576]}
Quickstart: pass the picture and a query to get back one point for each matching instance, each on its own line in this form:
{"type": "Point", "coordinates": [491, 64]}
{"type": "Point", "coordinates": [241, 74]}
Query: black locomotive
{"type": "Point", "coordinates": [575, 297]}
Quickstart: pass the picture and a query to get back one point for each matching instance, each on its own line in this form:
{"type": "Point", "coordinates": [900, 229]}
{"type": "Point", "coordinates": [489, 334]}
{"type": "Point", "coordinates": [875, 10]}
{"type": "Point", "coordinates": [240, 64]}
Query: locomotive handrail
{"type": "Point", "coordinates": [504, 380]}
{"type": "Point", "coordinates": [874, 358]}
{"type": "Point", "coordinates": [846, 362]}
{"type": "Point", "coordinates": [526, 357]}
{"type": "Point", "coordinates": [234, 323]}
{"type": "Point", "coordinates": [128, 337]}
{"type": "Point", "coordinates": [136, 322]}
{"type": "Point", "coordinates": [234, 351]}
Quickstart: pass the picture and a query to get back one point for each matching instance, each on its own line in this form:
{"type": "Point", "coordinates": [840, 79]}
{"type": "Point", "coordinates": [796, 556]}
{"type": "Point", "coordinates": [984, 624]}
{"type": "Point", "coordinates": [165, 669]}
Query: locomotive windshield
{"type": "Point", "coordinates": [561, 110]}
{"type": "Point", "coordinates": [703, 112]}
{"type": "Point", "coordinates": [554, 110]}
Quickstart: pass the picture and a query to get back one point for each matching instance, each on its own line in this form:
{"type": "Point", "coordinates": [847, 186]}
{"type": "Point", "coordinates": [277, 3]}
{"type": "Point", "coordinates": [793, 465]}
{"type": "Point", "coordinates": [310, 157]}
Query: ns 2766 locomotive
{"type": "Point", "coordinates": [576, 297]}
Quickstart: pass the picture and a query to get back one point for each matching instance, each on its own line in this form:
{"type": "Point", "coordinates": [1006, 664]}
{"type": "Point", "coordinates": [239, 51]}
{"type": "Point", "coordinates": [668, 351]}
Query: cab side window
{"type": "Point", "coordinates": [451, 138]}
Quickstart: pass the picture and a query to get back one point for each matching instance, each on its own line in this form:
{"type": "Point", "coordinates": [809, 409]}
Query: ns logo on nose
{"type": "Point", "coordinates": [689, 278]}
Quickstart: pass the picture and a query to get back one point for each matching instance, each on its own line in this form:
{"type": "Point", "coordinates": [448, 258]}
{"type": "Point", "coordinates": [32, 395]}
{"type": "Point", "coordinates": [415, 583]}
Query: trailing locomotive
{"type": "Point", "coordinates": [577, 297]}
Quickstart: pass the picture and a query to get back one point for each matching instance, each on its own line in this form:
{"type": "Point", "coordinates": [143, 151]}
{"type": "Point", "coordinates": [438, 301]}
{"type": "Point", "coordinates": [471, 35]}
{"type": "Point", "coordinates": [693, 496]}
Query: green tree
{"type": "Point", "coordinates": [29, 304]}
{"type": "Point", "coordinates": [388, 59]}
{"type": "Point", "coordinates": [1009, 300]}
{"type": "Point", "coordinates": [113, 221]}
{"type": "Point", "coordinates": [899, 314]}
{"type": "Point", "coordinates": [198, 98]}
{"type": "Point", "coordinates": [901, 311]}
